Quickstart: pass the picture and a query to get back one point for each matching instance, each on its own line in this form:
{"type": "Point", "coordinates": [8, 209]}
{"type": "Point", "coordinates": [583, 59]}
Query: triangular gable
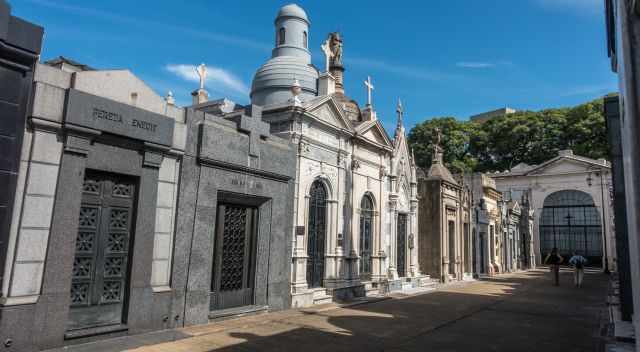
{"type": "Point", "coordinates": [564, 165]}
{"type": "Point", "coordinates": [374, 132]}
{"type": "Point", "coordinates": [326, 110]}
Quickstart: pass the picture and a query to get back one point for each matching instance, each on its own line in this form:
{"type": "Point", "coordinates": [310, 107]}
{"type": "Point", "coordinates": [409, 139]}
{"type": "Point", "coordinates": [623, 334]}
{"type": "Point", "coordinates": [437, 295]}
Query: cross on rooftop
{"type": "Point", "coordinates": [255, 128]}
{"type": "Point", "coordinates": [369, 89]}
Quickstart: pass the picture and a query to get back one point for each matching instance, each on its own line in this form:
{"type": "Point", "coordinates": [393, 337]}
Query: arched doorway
{"type": "Point", "coordinates": [570, 221]}
{"type": "Point", "coordinates": [317, 234]}
{"type": "Point", "coordinates": [366, 235]}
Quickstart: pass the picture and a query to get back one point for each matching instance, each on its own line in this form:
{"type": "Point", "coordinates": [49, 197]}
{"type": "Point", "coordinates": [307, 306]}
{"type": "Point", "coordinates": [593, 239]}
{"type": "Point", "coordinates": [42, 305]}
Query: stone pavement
{"type": "Point", "coordinates": [516, 312]}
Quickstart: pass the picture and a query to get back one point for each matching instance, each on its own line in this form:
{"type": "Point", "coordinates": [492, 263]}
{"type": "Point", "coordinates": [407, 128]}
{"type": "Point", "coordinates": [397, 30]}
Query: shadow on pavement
{"type": "Point", "coordinates": [521, 312]}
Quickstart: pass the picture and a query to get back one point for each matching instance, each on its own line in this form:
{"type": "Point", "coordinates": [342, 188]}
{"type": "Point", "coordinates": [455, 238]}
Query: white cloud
{"type": "Point", "coordinates": [218, 79]}
{"type": "Point", "coordinates": [580, 6]}
{"type": "Point", "coordinates": [467, 64]}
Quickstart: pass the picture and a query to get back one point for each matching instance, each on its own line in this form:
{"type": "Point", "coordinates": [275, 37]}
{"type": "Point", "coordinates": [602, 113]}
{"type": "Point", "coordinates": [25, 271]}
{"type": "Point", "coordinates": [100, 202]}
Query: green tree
{"type": "Point", "coordinates": [455, 141]}
{"type": "Point", "coordinates": [499, 144]}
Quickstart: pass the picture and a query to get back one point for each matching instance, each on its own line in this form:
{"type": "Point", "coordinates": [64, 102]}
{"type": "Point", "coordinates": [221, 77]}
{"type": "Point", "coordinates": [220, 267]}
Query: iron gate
{"type": "Point", "coordinates": [101, 264]}
{"type": "Point", "coordinates": [401, 244]}
{"type": "Point", "coordinates": [234, 261]}
{"type": "Point", "coordinates": [366, 228]}
{"type": "Point", "coordinates": [317, 234]}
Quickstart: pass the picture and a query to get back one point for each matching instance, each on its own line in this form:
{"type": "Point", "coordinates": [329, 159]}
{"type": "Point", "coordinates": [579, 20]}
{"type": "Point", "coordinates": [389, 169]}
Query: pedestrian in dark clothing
{"type": "Point", "coordinates": [578, 263]}
{"type": "Point", "coordinates": [554, 260]}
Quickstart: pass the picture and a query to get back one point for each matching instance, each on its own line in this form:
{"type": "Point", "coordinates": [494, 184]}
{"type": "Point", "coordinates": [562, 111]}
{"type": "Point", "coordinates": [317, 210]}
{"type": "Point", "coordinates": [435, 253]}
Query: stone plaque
{"type": "Point", "coordinates": [109, 116]}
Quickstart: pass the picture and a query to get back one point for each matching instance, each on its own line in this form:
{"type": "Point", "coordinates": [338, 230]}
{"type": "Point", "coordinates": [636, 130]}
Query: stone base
{"type": "Point", "coordinates": [347, 293]}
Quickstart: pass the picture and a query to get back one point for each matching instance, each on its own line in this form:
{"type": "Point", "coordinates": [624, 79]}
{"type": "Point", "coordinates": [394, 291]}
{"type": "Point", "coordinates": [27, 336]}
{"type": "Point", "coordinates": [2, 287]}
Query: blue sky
{"type": "Point", "coordinates": [441, 57]}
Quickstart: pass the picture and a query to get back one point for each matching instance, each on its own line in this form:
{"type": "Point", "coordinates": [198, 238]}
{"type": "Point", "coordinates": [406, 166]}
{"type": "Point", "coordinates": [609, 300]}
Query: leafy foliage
{"type": "Point", "coordinates": [503, 142]}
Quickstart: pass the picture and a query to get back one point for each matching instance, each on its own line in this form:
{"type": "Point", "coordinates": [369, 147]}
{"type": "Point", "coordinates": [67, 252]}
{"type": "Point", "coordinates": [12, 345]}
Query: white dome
{"type": "Point", "coordinates": [292, 10]}
{"type": "Point", "coordinates": [273, 80]}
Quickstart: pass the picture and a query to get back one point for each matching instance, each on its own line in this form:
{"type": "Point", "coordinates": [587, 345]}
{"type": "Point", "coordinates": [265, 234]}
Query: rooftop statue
{"type": "Point", "coordinates": [335, 41]}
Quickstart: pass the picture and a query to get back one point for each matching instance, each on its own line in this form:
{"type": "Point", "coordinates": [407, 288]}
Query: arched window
{"type": "Point", "coordinates": [366, 234]}
{"type": "Point", "coordinates": [570, 221]}
{"type": "Point", "coordinates": [316, 233]}
{"type": "Point", "coordinates": [282, 36]}
{"type": "Point", "coordinates": [304, 39]}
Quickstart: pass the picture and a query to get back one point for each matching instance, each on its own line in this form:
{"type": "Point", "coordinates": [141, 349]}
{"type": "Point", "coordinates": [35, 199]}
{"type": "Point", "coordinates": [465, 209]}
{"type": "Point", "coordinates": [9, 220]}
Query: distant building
{"type": "Point", "coordinates": [486, 116]}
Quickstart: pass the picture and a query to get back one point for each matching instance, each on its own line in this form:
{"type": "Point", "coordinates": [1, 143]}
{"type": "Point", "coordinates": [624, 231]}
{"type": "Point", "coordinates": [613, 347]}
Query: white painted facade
{"type": "Point", "coordinates": [564, 172]}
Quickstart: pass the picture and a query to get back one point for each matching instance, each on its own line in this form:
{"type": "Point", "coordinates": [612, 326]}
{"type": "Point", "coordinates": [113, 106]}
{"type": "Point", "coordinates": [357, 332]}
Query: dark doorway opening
{"type": "Point", "coordinates": [316, 234]}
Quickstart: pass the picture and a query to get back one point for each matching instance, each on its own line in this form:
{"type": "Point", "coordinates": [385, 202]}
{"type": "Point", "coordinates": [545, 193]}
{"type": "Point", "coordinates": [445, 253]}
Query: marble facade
{"type": "Point", "coordinates": [563, 179]}
{"type": "Point", "coordinates": [355, 205]}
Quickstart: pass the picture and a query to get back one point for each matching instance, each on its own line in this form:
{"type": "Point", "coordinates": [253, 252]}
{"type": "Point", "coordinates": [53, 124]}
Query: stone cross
{"type": "Point", "coordinates": [202, 73]}
{"type": "Point", "coordinates": [369, 89]}
{"type": "Point", "coordinates": [256, 129]}
{"type": "Point", "coordinates": [328, 54]}
{"type": "Point", "coordinates": [400, 111]}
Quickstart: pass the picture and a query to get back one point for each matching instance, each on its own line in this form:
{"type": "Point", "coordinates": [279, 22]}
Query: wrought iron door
{"type": "Point", "coordinates": [234, 261]}
{"type": "Point", "coordinates": [452, 247]}
{"type": "Point", "coordinates": [101, 264]}
{"type": "Point", "coordinates": [401, 244]}
{"type": "Point", "coordinates": [317, 234]}
{"type": "Point", "coordinates": [570, 221]}
{"type": "Point", "coordinates": [366, 240]}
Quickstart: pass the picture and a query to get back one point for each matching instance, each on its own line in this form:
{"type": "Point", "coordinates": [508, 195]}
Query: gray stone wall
{"type": "Point", "coordinates": [217, 163]}
{"type": "Point", "coordinates": [35, 305]}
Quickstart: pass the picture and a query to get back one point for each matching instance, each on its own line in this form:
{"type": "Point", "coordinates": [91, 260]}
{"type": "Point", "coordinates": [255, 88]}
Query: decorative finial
{"type": "Point", "coordinates": [201, 70]}
{"type": "Point", "coordinates": [400, 111]}
{"type": "Point", "coordinates": [437, 148]}
{"type": "Point", "coordinates": [369, 89]}
{"type": "Point", "coordinates": [296, 89]}
{"type": "Point", "coordinates": [169, 98]}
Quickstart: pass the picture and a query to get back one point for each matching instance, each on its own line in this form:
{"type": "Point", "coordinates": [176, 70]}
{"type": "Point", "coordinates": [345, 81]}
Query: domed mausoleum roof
{"type": "Point", "coordinates": [272, 82]}
{"type": "Point", "coordinates": [292, 10]}
{"type": "Point", "coordinates": [290, 61]}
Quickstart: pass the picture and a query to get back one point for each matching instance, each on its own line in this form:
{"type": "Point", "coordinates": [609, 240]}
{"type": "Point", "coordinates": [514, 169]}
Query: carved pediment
{"type": "Point", "coordinates": [374, 132]}
{"type": "Point", "coordinates": [329, 113]}
{"type": "Point", "coordinates": [562, 166]}
{"type": "Point", "coordinates": [375, 136]}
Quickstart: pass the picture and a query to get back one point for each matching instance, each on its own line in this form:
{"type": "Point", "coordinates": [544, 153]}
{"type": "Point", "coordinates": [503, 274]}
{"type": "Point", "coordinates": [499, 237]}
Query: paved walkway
{"type": "Point", "coordinates": [517, 312]}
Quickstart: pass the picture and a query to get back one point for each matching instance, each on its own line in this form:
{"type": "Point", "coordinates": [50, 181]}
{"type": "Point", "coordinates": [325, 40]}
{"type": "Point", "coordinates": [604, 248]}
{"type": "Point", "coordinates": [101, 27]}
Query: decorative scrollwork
{"type": "Point", "coordinates": [116, 242]}
{"type": "Point", "coordinates": [122, 190]}
{"type": "Point", "coordinates": [119, 219]}
{"type": "Point", "coordinates": [113, 266]}
{"type": "Point", "coordinates": [88, 217]}
{"type": "Point", "coordinates": [111, 291]}
{"type": "Point", "coordinates": [85, 241]}
{"type": "Point", "coordinates": [82, 268]}
{"type": "Point", "coordinates": [79, 293]}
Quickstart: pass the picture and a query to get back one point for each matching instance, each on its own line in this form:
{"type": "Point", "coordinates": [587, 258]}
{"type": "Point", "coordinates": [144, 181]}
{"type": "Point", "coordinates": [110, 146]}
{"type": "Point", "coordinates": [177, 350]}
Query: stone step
{"type": "Point", "coordinates": [322, 299]}
{"type": "Point", "coordinates": [373, 292]}
{"type": "Point", "coordinates": [319, 292]}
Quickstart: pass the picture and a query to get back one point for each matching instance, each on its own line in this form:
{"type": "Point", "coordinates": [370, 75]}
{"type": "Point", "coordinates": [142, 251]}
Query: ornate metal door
{"type": "Point", "coordinates": [317, 234]}
{"type": "Point", "coordinates": [101, 264]}
{"type": "Point", "coordinates": [366, 229]}
{"type": "Point", "coordinates": [234, 257]}
{"type": "Point", "coordinates": [401, 238]}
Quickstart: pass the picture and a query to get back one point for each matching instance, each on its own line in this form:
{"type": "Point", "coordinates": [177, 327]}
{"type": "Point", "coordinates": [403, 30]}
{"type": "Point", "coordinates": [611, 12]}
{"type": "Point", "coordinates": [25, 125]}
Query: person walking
{"type": "Point", "coordinates": [578, 262]}
{"type": "Point", "coordinates": [554, 260]}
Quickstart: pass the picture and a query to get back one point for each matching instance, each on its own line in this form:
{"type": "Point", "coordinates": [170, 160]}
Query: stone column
{"type": "Point", "coordinates": [414, 269]}
{"type": "Point", "coordinates": [299, 275]}
{"type": "Point", "coordinates": [332, 257]}
{"type": "Point", "coordinates": [392, 255]}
